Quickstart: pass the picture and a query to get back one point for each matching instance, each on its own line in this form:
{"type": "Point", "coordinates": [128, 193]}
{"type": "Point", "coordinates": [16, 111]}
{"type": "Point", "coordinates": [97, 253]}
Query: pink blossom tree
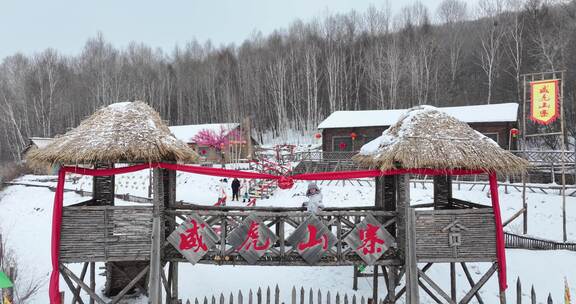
{"type": "Point", "coordinates": [217, 140]}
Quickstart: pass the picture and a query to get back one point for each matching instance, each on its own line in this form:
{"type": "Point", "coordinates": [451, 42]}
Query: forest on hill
{"type": "Point", "coordinates": [295, 77]}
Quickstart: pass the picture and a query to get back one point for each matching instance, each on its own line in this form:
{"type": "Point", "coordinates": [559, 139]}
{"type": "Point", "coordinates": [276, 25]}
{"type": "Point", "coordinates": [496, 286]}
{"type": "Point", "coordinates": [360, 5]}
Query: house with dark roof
{"type": "Point", "coordinates": [347, 131]}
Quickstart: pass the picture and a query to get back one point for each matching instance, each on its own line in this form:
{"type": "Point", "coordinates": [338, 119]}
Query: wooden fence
{"type": "Point", "coordinates": [533, 298]}
{"type": "Point", "coordinates": [126, 196]}
{"type": "Point", "coordinates": [530, 243]}
{"type": "Point", "coordinates": [268, 296]}
{"type": "Point", "coordinates": [302, 296]}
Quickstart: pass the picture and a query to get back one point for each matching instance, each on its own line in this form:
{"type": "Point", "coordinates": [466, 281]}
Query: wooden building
{"type": "Point", "coordinates": [350, 130]}
{"type": "Point", "coordinates": [233, 136]}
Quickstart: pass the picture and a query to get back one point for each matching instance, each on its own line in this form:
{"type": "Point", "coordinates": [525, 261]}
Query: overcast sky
{"type": "Point", "coordinates": [32, 26]}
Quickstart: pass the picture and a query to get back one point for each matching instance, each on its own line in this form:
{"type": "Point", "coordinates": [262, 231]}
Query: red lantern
{"type": "Point", "coordinates": [342, 146]}
{"type": "Point", "coordinates": [203, 151]}
{"type": "Point", "coordinates": [514, 132]}
{"type": "Point", "coordinates": [353, 135]}
{"type": "Point", "coordinates": [285, 182]}
{"type": "Point", "coordinates": [318, 135]}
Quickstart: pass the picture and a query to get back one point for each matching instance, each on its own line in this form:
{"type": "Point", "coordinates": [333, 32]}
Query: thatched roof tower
{"type": "Point", "coordinates": [127, 132]}
{"type": "Point", "coordinates": [425, 137]}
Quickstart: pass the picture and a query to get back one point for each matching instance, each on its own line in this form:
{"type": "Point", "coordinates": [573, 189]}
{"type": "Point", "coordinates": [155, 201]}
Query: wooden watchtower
{"type": "Point", "coordinates": [426, 141]}
{"type": "Point", "coordinates": [97, 230]}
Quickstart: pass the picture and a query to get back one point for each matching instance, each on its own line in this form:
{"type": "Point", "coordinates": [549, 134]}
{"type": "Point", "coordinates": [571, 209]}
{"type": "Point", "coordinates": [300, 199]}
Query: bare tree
{"type": "Point", "coordinates": [491, 36]}
{"type": "Point", "coordinates": [515, 42]}
{"type": "Point", "coordinates": [25, 286]}
{"type": "Point", "coordinates": [452, 14]}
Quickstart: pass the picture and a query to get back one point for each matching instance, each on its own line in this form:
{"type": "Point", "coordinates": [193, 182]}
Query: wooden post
{"type": "Point", "coordinates": [442, 191]}
{"type": "Point", "coordinates": [92, 279]}
{"type": "Point", "coordinates": [518, 291]}
{"type": "Point", "coordinates": [412, 294]}
{"type": "Point", "coordinates": [453, 281]}
{"type": "Point", "coordinates": [155, 283]}
{"type": "Point", "coordinates": [11, 273]}
{"type": "Point", "coordinates": [174, 283]}
{"type": "Point", "coordinates": [392, 283]}
{"type": "Point", "coordinates": [248, 137]}
{"type": "Point", "coordinates": [375, 284]}
{"type": "Point", "coordinates": [355, 279]}
{"type": "Point", "coordinates": [563, 166]}
{"type": "Point", "coordinates": [169, 186]}
{"type": "Point", "coordinates": [502, 297]}
{"type": "Point", "coordinates": [410, 264]}
{"type": "Point", "coordinates": [524, 205]}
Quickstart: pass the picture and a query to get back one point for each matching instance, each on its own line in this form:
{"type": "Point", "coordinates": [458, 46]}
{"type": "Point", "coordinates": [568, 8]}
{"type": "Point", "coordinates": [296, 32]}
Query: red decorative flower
{"type": "Point", "coordinates": [285, 182]}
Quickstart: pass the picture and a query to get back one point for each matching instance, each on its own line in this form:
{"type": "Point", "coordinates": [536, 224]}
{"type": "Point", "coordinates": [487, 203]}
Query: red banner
{"type": "Point", "coordinates": [287, 182]}
{"type": "Point", "coordinates": [544, 101]}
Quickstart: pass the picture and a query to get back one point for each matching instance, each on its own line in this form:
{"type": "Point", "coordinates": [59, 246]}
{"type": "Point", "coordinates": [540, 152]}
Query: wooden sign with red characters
{"type": "Point", "coordinates": [193, 239]}
{"type": "Point", "coordinates": [312, 239]}
{"type": "Point", "coordinates": [252, 239]}
{"type": "Point", "coordinates": [370, 240]}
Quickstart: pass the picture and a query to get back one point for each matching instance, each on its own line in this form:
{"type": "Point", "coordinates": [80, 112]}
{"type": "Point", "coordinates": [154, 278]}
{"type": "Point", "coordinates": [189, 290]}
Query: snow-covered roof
{"type": "Point", "coordinates": [121, 132]}
{"type": "Point", "coordinates": [186, 133]}
{"type": "Point", "coordinates": [502, 112]}
{"type": "Point", "coordinates": [425, 137]}
{"type": "Point", "coordinates": [41, 142]}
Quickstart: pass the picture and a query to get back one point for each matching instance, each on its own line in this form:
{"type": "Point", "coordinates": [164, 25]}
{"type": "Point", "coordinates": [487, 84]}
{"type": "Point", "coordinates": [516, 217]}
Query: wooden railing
{"type": "Point", "coordinates": [547, 157]}
{"type": "Point", "coordinates": [322, 156]}
{"type": "Point", "coordinates": [282, 222]}
{"type": "Point", "coordinates": [525, 242]}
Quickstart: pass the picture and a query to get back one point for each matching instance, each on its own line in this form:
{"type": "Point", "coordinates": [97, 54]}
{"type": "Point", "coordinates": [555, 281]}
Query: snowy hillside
{"type": "Point", "coordinates": [25, 219]}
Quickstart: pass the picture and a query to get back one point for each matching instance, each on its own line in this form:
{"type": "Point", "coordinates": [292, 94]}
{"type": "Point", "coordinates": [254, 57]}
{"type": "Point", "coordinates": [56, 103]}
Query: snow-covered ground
{"type": "Point", "coordinates": [25, 217]}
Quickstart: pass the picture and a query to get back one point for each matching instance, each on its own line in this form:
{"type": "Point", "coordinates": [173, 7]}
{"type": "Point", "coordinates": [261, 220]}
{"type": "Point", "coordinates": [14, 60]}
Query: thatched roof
{"type": "Point", "coordinates": [425, 137]}
{"type": "Point", "coordinates": [122, 132]}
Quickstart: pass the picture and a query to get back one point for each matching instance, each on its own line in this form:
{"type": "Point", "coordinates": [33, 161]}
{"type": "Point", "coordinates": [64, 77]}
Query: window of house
{"type": "Point", "coordinates": [493, 136]}
{"type": "Point", "coordinates": [341, 143]}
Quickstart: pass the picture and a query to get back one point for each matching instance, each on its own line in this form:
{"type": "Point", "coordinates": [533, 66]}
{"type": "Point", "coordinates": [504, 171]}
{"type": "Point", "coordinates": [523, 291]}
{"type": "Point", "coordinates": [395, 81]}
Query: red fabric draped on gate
{"type": "Point", "coordinates": [284, 181]}
{"type": "Point", "coordinates": [500, 246]}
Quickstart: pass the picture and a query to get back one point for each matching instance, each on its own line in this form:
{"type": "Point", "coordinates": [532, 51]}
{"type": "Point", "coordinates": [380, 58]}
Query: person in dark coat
{"type": "Point", "coordinates": [235, 189]}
